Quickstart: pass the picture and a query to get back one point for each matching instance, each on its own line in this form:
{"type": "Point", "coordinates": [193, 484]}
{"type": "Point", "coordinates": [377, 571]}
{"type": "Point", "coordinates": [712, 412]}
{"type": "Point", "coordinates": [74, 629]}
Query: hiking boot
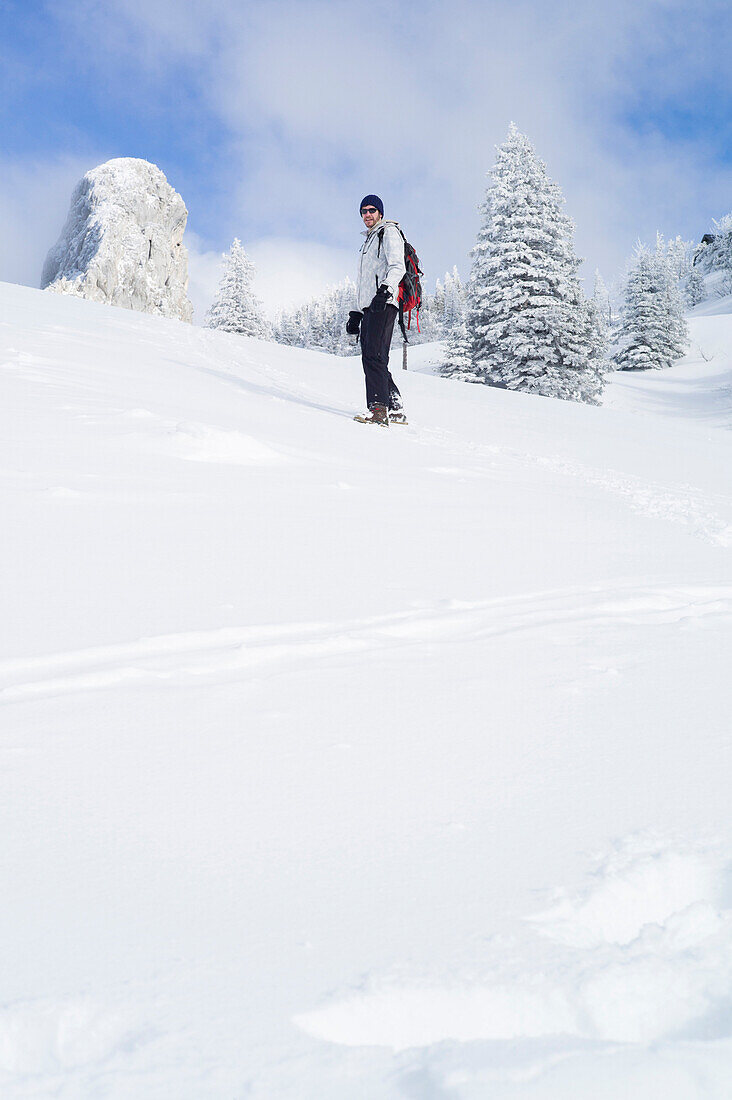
{"type": "Point", "coordinates": [377, 414]}
{"type": "Point", "coordinates": [397, 416]}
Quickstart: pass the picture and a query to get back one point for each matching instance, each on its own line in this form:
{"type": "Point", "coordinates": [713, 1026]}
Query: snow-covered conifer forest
{"type": "Point", "coordinates": [365, 764]}
{"type": "Point", "coordinates": [320, 322]}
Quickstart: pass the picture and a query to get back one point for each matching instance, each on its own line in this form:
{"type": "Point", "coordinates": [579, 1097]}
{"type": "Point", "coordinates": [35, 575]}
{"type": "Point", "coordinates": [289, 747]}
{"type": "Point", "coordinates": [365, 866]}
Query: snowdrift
{"type": "Point", "coordinates": [342, 762]}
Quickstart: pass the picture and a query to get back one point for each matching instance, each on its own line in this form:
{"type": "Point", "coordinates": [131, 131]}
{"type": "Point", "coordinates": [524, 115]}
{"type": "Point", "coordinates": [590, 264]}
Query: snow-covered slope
{"type": "Point", "coordinates": [716, 303]}
{"type": "Point", "coordinates": [698, 388]}
{"type": "Point", "coordinates": [348, 763]}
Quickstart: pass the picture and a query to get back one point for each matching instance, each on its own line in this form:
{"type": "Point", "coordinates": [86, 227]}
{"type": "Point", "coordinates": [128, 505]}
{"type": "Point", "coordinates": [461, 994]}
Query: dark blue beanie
{"type": "Point", "coordinates": [372, 200]}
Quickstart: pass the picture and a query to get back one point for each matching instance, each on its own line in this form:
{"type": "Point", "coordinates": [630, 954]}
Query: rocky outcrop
{"type": "Point", "coordinates": [123, 241]}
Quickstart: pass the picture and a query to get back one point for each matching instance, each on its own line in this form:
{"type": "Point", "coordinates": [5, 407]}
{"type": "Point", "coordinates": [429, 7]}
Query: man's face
{"type": "Point", "coordinates": [370, 216]}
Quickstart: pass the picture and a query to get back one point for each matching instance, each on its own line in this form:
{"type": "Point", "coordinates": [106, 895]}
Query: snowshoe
{"type": "Point", "coordinates": [377, 414]}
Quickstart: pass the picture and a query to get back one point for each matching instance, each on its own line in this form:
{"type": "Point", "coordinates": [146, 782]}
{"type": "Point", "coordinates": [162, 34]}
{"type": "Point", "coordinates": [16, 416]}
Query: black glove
{"type": "Point", "coordinates": [353, 323]}
{"type": "Point", "coordinates": [381, 299]}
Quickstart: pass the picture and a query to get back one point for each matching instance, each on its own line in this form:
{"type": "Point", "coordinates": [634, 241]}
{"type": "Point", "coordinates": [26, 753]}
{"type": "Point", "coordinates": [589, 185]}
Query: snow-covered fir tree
{"type": "Point", "coordinates": [601, 300]}
{"type": "Point", "coordinates": [454, 313]}
{"type": "Point", "coordinates": [672, 258]}
{"type": "Point", "coordinates": [530, 326]}
{"type": "Point", "coordinates": [694, 288]}
{"type": "Point", "coordinates": [596, 334]}
{"type": "Point", "coordinates": [236, 307]}
{"type": "Point", "coordinates": [677, 254]}
{"type": "Point", "coordinates": [432, 318]}
{"type": "Point", "coordinates": [458, 362]}
{"type": "Point", "coordinates": [653, 333]}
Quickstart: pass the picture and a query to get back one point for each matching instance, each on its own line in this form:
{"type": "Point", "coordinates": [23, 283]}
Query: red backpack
{"type": "Point", "coordinates": [410, 287]}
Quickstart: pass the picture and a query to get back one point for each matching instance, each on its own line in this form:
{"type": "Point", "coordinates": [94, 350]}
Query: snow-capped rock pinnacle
{"type": "Point", "coordinates": [123, 241]}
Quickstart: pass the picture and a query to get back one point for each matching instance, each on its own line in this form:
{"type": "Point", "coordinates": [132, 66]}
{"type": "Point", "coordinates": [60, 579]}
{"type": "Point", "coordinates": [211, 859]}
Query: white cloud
{"type": "Point", "coordinates": [287, 272]}
{"type": "Point", "coordinates": [327, 100]}
{"type": "Point", "coordinates": [204, 274]}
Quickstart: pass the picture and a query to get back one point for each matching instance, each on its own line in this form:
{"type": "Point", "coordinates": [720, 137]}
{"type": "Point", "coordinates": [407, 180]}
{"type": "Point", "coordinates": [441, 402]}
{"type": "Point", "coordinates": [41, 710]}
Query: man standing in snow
{"type": "Point", "coordinates": [380, 271]}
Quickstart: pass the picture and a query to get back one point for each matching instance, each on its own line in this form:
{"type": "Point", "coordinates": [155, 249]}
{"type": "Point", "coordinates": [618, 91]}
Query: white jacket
{"type": "Point", "coordinates": [380, 263]}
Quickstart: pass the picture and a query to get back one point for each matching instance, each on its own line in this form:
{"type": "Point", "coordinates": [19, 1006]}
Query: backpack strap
{"type": "Point", "coordinates": [401, 322]}
{"type": "Point", "coordinates": [380, 235]}
{"type": "Point", "coordinates": [409, 321]}
{"type": "Point", "coordinates": [381, 232]}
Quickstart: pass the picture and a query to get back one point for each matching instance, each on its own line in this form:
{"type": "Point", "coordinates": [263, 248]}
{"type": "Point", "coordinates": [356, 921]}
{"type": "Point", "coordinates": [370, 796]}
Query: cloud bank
{"type": "Point", "coordinates": [300, 109]}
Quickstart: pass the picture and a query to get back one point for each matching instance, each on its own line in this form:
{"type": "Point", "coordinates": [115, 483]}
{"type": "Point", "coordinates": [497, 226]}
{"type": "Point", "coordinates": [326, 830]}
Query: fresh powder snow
{"type": "Point", "coordinates": [349, 763]}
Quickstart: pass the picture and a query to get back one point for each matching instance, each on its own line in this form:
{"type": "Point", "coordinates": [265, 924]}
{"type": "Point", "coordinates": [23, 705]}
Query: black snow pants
{"type": "Point", "coordinates": [376, 333]}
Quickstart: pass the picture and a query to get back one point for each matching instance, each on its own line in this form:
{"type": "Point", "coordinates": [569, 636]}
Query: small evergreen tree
{"type": "Point", "coordinates": [528, 320]}
{"type": "Point", "coordinates": [679, 254]}
{"type": "Point", "coordinates": [601, 300]}
{"type": "Point", "coordinates": [653, 333]}
{"type": "Point", "coordinates": [695, 289]}
{"type": "Point", "coordinates": [670, 261]}
{"type": "Point", "coordinates": [454, 300]}
{"type": "Point", "coordinates": [435, 312]}
{"type": "Point", "coordinates": [458, 362]}
{"type": "Point", "coordinates": [596, 336]}
{"type": "Point", "coordinates": [236, 307]}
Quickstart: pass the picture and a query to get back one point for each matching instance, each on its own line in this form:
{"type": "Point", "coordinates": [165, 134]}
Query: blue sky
{"type": "Point", "coordinates": [273, 119]}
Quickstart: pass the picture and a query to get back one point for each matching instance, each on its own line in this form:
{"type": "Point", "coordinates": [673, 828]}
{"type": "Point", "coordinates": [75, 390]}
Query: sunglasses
{"type": "Point", "coordinates": [369, 210]}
